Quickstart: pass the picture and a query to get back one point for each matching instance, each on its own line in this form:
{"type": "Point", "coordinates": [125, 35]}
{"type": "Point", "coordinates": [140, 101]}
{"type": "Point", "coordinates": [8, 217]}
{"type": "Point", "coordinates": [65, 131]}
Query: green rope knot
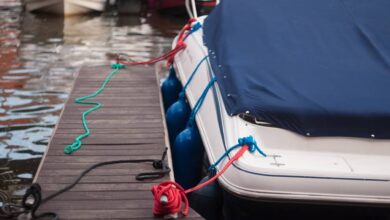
{"type": "Point", "coordinates": [117, 66]}
{"type": "Point", "coordinates": [72, 147]}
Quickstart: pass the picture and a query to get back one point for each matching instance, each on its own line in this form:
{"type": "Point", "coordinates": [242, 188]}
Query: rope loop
{"type": "Point", "coordinates": [31, 201]}
{"type": "Point", "coordinates": [69, 149]}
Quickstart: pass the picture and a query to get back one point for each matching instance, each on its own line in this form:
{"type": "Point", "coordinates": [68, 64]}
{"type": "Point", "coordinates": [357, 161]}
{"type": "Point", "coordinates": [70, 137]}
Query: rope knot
{"type": "Point", "coordinates": [158, 164]}
{"type": "Point", "coordinates": [168, 199]}
{"type": "Point", "coordinates": [180, 44]}
{"type": "Point", "coordinates": [117, 66]}
{"type": "Point", "coordinates": [35, 193]}
{"type": "Point", "coordinates": [251, 143]}
{"type": "Point", "coordinates": [69, 149]}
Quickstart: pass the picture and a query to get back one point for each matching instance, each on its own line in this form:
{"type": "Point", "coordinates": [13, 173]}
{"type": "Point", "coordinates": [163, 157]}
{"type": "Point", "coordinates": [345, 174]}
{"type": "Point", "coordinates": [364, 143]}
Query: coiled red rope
{"type": "Point", "coordinates": [175, 195]}
{"type": "Point", "coordinates": [169, 56]}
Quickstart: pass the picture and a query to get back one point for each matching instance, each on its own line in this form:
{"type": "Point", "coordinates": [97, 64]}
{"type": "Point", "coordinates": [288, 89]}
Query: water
{"type": "Point", "coordinates": [39, 59]}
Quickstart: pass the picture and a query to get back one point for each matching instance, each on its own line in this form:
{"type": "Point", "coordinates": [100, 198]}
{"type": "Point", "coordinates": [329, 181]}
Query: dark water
{"type": "Point", "coordinates": [39, 59]}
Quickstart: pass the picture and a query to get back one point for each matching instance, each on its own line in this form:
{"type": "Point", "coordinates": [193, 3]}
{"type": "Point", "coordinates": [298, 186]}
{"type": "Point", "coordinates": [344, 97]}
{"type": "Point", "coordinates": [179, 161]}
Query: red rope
{"type": "Point", "coordinates": [176, 195]}
{"type": "Point", "coordinates": [180, 45]}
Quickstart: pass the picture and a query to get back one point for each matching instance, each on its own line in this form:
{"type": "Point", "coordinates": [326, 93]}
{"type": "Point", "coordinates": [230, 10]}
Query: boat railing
{"type": "Point", "coordinates": [191, 8]}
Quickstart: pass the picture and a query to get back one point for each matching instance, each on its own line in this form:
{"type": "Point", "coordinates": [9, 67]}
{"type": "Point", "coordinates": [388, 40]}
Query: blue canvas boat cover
{"type": "Point", "coordinates": [315, 67]}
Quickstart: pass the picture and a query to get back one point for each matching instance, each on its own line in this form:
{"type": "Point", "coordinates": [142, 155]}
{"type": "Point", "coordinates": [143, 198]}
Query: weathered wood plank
{"type": "Point", "coordinates": [100, 205]}
{"type": "Point", "coordinates": [120, 110]}
{"type": "Point", "coordinates": [121, 91]}
{"type": "Point", "coordinates": [110, 141]}
{"type": "Point", "coordinates": [76, 168]}
{"type": "Point", "coordinates": [156, 147]}
{"type": "Point", "coordinates": [88, 152]}
{"type": "Point", "coordinates": [97, 159]}
{"type": "Point", "coordinates": [111, 111]}
{"type": "Point", "coordinates": [123, 98]}
{"type": "Point", "coordinates": [113, 121]}
{"type": "Point", "coordinates": [113, 131]}
{"type": "Point", "coordinates": [115, 135]}
{"type": "Point", "coordinates": [98, 186]}
{"type": "Point", "coordinates": [103, 195]}
{"type": "Point", "coordinates": [149, 104]}
{"type": "Point", "coordinates": [118, 125]}
{"type": "Point", "coordinates": [97, 179]}
{"type": "Point", "coordinates": [101, 172]}
{"type": "Point", "coordinates": [112, 214]}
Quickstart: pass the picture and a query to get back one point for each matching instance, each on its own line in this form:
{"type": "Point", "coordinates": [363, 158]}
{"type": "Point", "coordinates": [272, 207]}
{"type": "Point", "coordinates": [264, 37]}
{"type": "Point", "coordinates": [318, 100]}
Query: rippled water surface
{"type": "Point", "coordinates": [40, 56]}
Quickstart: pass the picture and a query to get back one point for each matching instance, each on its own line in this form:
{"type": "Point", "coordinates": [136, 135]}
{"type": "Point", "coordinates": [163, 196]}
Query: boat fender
{"type": "Point", "coordinates": [176, 117]}
{"type": "Point", "coordinates": [187, 155]}
{"type": "Point", "coordinates": [170, 89]}
{"type": "Point", "coordinates": [187, 150]}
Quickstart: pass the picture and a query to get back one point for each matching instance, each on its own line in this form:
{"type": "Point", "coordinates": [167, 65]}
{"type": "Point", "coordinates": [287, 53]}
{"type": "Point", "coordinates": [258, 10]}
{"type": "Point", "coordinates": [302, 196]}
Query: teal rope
{"type": "Point", "coordinates": [69, 149]}
{"type": "Point", "coordinates": [77, 141]}
{"type": "Point", "coordinates": [200, 101]}
{"type": "Point", "coordinates": [182, 93]}
{"type": "Point", "coordinates": [250, 141]}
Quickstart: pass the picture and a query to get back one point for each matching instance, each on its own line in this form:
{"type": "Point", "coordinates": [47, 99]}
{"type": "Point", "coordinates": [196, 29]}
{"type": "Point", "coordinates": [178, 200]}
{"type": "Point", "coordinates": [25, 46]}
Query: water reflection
{"type": "Point", "coordinates": [39, 59]}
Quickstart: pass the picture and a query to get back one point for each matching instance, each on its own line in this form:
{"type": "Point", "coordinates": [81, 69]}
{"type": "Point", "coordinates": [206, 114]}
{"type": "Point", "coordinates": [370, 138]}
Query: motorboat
{"type": "Point", "coordinates": [309, 81]}
{"type": "Point", "coordinates": [65, 7]}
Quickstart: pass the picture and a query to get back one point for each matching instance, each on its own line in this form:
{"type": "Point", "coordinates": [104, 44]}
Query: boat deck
{"type": "Point", "coordinates": [128, 126]}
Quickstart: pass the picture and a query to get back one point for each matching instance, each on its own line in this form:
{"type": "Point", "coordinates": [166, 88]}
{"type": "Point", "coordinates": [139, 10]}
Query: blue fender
{"type": "Point", "coordinates": [187, 155]}
{"type": "Point", "coordinates": [176, 118]}
{"type": "Point", "coordinates": [170, 89]}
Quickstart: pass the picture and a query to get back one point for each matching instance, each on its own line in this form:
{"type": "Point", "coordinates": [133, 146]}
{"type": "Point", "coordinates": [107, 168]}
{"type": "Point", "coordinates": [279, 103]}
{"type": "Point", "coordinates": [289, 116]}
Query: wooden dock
{"type": "Point", "coordinates": [130, 125]}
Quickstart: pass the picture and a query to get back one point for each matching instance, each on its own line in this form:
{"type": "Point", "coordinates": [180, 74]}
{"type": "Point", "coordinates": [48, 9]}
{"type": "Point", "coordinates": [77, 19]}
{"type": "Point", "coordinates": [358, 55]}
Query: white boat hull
{"type": "Point", "coordinates": [65, 7]}
{"type": "Point", "coordinates": [298, 168]}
